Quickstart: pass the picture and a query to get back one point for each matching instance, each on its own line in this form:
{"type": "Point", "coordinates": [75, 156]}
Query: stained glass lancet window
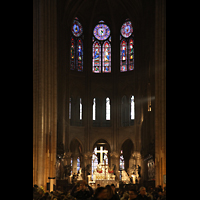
{"type": "Point", "coordinates": [76, 48]}
{"type": "Point", "coordinates": [79, 56]}
{"type": "Point", "coordinates": [106, 57]}
{"type": "Point", "coordinates": [123, 56]}
{"type": "Point", "coordinates": [96, 57]}
{"type": "Point", "coordinates": [101, 48]}
{"type": "Point", "coordinates": [72, 54]}
{"type": "Point", "coordinates": [131, 54]}
{"type": "Point", "coordinates": [126, 47]}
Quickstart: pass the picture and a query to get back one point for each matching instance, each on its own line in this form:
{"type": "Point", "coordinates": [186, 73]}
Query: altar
{"type": "Point", "coordinates": [103, 174]}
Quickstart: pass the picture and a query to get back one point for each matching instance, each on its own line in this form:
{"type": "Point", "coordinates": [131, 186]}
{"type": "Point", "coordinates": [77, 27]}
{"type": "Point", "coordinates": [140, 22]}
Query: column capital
{"type": "Point", "coordinates": [136, 155]}
{"type": "Point", "coordinates": [114, 154]}
{"type": "Point", "coordinates": [87, 155]}
{"type": "Point", "coordinates": [68, 154]}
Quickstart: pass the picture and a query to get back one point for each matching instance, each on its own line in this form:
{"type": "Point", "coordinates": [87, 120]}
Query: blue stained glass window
{"type": "Point", "coordinates": [106, 57]}
{"type": "Point", "coordinates": [96, 57]}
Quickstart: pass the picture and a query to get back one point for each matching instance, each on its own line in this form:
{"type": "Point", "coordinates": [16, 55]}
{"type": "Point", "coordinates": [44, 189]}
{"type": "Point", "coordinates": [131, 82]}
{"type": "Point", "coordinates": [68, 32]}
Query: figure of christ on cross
{"type": "Point", "coordinates": [101, 151]}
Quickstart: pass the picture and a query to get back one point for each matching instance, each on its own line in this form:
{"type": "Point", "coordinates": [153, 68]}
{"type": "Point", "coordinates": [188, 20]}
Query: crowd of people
{"type": "Point", "coordinates": [82, 191]}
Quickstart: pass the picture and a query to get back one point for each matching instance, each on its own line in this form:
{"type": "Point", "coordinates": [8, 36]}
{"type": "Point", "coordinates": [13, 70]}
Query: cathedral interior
{"type": "Point", "coordinates": [99, 80]}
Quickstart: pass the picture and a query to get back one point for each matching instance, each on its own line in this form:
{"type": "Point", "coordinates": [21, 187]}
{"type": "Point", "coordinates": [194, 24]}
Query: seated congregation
{"type": "Point", "coordinates": [82, 191]}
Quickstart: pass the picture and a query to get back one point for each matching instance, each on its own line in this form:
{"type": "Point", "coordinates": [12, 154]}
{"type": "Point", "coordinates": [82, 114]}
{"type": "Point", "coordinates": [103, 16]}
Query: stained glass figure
{"type": "Point", "coordinates": [131, 54]}
{"type": "Point", "coordinates": [127, 29]}
{"type": "Point", "coordinates": [72, 53]}
{"type": "Point", "coordinates": [80, 56]}
{"type": "Point", "coordinates": [106, 57]}
{"type": "Point", "coordinates": [77, 29]}
{"type": "Point", "coordinates": [123, 56]}
{"type": "Point", "coordinates": [96, 57]}
{"type": "Point", "coordinates": [101, 31]}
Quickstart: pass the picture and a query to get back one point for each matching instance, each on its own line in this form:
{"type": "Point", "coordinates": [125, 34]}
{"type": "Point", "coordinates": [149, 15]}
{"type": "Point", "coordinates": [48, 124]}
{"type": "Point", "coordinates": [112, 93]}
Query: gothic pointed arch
{"type": "Point", "coordinates": [128, 148]}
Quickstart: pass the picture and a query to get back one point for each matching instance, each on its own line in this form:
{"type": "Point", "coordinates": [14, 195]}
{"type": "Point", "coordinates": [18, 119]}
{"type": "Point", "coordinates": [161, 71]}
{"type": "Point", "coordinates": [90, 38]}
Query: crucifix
{"type": "Point", "coordinates": [101, 151]}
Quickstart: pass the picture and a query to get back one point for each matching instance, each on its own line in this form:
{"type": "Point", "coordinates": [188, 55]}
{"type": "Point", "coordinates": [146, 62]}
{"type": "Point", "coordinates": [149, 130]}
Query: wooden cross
{"type": "Point", "coordinates": [101, 151]}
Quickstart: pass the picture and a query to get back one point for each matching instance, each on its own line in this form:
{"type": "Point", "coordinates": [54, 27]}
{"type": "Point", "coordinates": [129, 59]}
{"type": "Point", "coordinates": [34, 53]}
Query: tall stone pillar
{"type": "Point", "coordinates": [160, 92]}
{"type": "Point", "coordinates": [88, 164]}
{"type": "Point", "coordinates": [136, 160]}
{"type": "Point", "coordinates": [44, 92]}
{"type": "Point", "coordinates": [68, 158]}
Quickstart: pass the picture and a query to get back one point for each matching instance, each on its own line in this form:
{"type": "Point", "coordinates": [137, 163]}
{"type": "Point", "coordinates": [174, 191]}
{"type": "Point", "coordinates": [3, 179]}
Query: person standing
{"type": "Point", "coordinates": [110, 194]}
{"type": "Point", "coordinates": [132, 194]}
{"type": "Point", "coordinates": [114, 191]}
{"type": "Point", "coordinates": [85, 191]}
{"type": "Point", "coordinates": [100, 194]}
{"type": "Point", "coordinates": [142, 195]}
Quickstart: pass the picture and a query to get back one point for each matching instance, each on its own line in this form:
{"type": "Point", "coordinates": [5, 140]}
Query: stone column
{"type": "Point", "coordinates": [160, 91]}
{"type": "Point", "coordinates": [68, 157]}
{"type": "Point", "coordinates": [44, 91]}
{"type": "Point", "coordinates": [115, 161]}
{"type": "Point", "coordinates": [137, 160]}
{"type": "Point", "coordinates": [88, 164]}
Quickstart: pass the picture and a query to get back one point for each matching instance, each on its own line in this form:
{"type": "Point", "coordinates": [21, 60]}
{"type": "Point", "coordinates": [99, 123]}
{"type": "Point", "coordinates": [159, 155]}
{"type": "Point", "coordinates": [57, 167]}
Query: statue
{"type": "Point", "coordinates": [80, 174]}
